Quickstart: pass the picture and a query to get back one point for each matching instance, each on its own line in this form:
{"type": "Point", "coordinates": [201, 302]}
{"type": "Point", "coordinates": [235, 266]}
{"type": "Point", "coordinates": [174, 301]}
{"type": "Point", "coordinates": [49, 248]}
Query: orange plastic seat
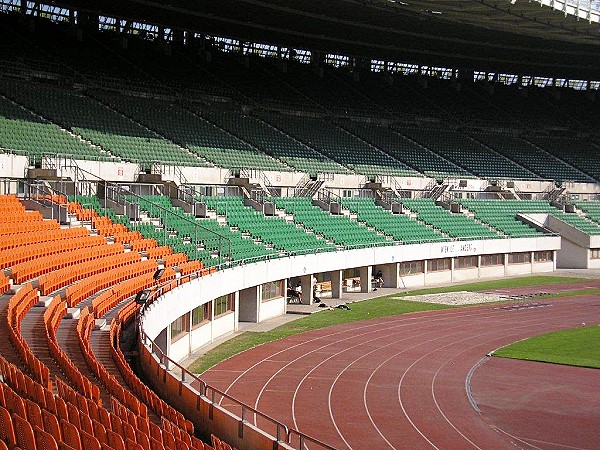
{"type": "Point", "coordinates": [89, 442]}
{"type": "Point", "coordinates": [7, 432]}
{"type": "Point", "coordinates": [23, 433]}
{"type": "Point", "coordinates": [70, 434]}
{"type": "Point", "coordinates": [44, 440]}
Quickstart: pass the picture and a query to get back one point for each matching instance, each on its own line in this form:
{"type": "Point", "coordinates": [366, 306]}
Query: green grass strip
{"type": "Point", "coordinates": [371, 309]}
{"type": "Point", "coordinates": [504, 283]}
{"type": "Point", "coordinates": [575, 347]}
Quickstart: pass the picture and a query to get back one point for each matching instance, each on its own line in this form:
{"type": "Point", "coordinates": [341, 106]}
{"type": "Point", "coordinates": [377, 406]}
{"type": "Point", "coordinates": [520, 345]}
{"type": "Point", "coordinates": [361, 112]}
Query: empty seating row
{"type": "Point", "coordinates": [39, 266]}
{"type": "Point", "coordinates": [399, 226]}
{"type": "Point", "coordinates": [274, 231]}
{"type": "Point", "coordinates": [456, 225]}
{"type": "Point", "coordinates": [62, 235]}
{"type": "Point", "coordinates": [53, 316]}
{"type": "Point", "coordinates": [338, 145]}
{"type": "Point", "coordinates": [127, 267]}
{"type": "Point", "coordinates": [206, 234]}
{"type": "Point", "coordinates": [339, 229]}
{"type": "Point", "coordinates": [276, 143]}
{"type": "Point", "coordinates": [502, 215]}
{"type": "Point", "coordinates": [17, 255]}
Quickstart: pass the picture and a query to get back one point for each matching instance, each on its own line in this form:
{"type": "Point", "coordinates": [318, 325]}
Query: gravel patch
{"type": "Point", "coordinates": [456, 298]}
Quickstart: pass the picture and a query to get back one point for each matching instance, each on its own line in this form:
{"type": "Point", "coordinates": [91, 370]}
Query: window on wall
{"type": "Point", "coordinates": [465, 262]}
{"type": "Point", "coordinates": [543, 256]}
{"type": "Point", "coordinates": [224, 304]}
{"type": "Point", "coordinates": [180, 327]}
{"type": "Point", "coordinates": [411, 267]}
{"type": "Point", "coordinates": [519, 258]}
{"type": "Point", "coordinates": [492, 260]}
{"type": "Point", "coordinates": [272, 290]}
{"type": "Point", "coordinates": [201, 314]}
{"type": "Point", "coordinates": [377, 65]}
{"type": "Point", "coordinates": [595, 253]}
{"type": "Point", "coordinates": [436, 265]}
{"type": "Point", "coordinates": [337, 60]}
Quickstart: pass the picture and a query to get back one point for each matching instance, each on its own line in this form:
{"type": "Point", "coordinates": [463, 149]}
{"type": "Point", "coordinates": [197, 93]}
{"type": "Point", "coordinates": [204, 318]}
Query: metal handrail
{"type": "Point", "coordinates": [121, 192]}
{"type": "Point", "coordinates": [283, 432]}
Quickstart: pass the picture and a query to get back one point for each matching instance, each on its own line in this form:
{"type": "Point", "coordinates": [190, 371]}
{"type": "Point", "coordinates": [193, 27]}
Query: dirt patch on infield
{"type": "Point", "coordinates": [457, 298]}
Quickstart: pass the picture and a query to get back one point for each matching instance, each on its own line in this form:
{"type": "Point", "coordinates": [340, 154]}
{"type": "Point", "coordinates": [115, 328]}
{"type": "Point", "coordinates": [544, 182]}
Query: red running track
{"type": "Point", "coordinates": [402, 382]}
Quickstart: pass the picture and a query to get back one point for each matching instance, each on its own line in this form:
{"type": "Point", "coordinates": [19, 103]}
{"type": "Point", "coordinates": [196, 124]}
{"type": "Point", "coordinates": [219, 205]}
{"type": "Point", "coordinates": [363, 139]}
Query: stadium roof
{"type": "Point", "coordinates": [514, 36]}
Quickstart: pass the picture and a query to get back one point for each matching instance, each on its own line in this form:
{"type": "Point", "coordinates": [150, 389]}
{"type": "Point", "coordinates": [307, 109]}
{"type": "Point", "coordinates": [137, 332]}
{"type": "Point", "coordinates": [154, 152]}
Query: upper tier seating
{"type": "Point", "coordinates": [536, 160]}
{"type": "Point", "coordinates": [456, 225]}
{"type": "Point", "coordinates": [193, 89]}
{"type": "Point", "coordinates": [466, 105]}
{"type": "Point", "coordinates": [192, 131]}
{"type": "Point", "coordinates": [250, 81]}
{"type": "Point", "coordinates": [339, 145]}
{"type": "Point", "coordinates": [27, 134]}
{"type": "Point", "coordinates": [100, 125]}
{"type": "Point", "coordinates": [399, 226]}
{"type": "Point", "coordinates": [330, 91]}
{"type": "Point", "coordinates": [339, 229]}
{"type": "Point", "coordinates": [530, 108]}
{"type": "Point", "coordinates": [403, 97]}
{"type": "Point", "coordinates": [272, 141]}
{"type": "Point", "coordinates": [405, 150]}
{"type": "Point", "coordinates": [573, 151]}
{"type": "Point", "coordinates": [465, 152]}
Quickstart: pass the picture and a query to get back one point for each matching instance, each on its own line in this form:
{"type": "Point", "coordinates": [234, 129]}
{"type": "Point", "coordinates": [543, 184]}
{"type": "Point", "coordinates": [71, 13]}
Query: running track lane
{"type": "Point", "coordinates": [396, 382]}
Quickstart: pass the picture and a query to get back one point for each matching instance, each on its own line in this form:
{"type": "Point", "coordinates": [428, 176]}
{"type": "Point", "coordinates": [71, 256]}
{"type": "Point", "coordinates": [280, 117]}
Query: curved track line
{"type": "Point", "coordinates": [416, 362]}
{"type": "Point", "coordinates": [404, 318]}
{"type": "Point", "coordinates": [468, 382]}
{"type": "Point", "coordinates": [365, 389]}
{"type": "Point", "coordinates": [342, 372]}
{"type": "Point", "coordinates": [394, 324]}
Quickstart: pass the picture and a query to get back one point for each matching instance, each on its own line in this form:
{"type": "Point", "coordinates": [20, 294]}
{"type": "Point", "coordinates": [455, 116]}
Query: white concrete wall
{"type": "Point", "coordinates": [417, 183]}
{"type": "Point", "coordinates": [12, 166]}
{"type": "Point", "coordinates": [583, 188]}
{"type": "Point", "coordinates": [519, 269]}
{"type": "Point", "coordinates": [344, 181]}
{"type": "Point", "coordinates": [197, 175]}
{"type": "Point", "coordinates": [442, 276]}
{"type": "Point", "coordinates": [594, 264]}
{"type": "Point", "coordinates": [412, 281]}
{"type": "Point", "coordinates": [111, 171]}
{"type": "Point", "coordinates": [491, 271]}
{"type": "Point", "coordinates": [572, 256]}
{"type": "Point", "coordinates": [532, 187]}
{"type": "Point", "coordinates": [223, 324]}
{"type": "Point", "coordinates": [540, 267]}
{"type": "Point", "coordinates": [180, 348]}
{"type": "Point", "coordinates": [283, 179]}
{"type": "Point", "coordinates": [465, 274]}
{"type": "Point", "coordinates": [201, 335]}
{"type": "Point", "coordinates": [272, 308]}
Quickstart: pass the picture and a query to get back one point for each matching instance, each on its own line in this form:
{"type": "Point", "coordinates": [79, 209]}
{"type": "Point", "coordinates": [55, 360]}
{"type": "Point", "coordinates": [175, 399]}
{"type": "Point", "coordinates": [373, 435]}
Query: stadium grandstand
{"type": "Point", "coordinates": [169, 170]}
